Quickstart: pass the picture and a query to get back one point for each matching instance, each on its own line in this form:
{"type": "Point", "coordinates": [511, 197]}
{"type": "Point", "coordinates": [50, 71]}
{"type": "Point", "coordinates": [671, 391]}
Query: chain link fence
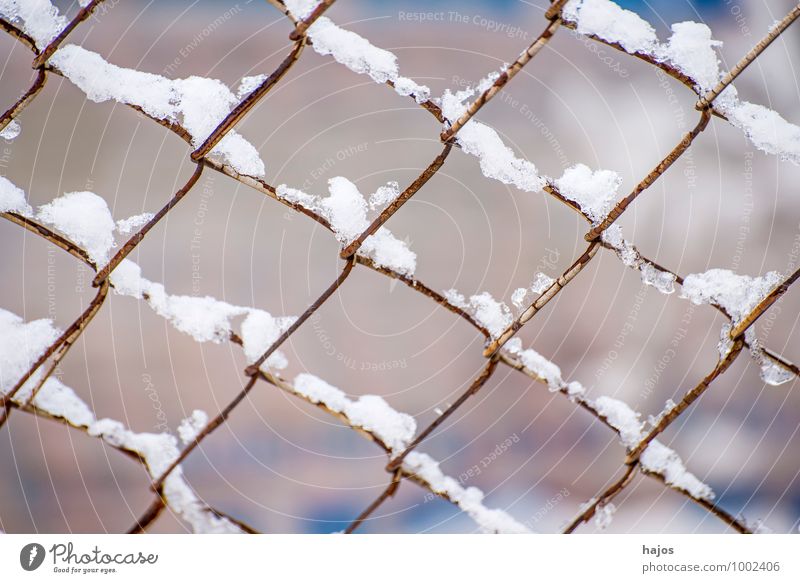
{"type": "Point", "coordinates": [29, 392]}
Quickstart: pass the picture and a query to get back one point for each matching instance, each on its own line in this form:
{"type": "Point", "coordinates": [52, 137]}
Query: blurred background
{"type": "Point", "coordinates": [281, 465]}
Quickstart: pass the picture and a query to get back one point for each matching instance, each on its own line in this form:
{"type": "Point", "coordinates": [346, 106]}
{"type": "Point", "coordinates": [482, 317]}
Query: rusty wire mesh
{"type": "Point", "coordinates": [495, 354]}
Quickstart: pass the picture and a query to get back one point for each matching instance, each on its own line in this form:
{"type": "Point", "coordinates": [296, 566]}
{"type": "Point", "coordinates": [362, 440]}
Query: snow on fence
{"type": "Point", "coordinates": [204, 112]}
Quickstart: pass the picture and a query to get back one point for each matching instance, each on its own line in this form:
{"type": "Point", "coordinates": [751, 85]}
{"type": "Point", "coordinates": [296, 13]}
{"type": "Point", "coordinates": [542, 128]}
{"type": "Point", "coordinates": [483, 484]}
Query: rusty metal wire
{"type": "Point", "coordinates": [494, 352]}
